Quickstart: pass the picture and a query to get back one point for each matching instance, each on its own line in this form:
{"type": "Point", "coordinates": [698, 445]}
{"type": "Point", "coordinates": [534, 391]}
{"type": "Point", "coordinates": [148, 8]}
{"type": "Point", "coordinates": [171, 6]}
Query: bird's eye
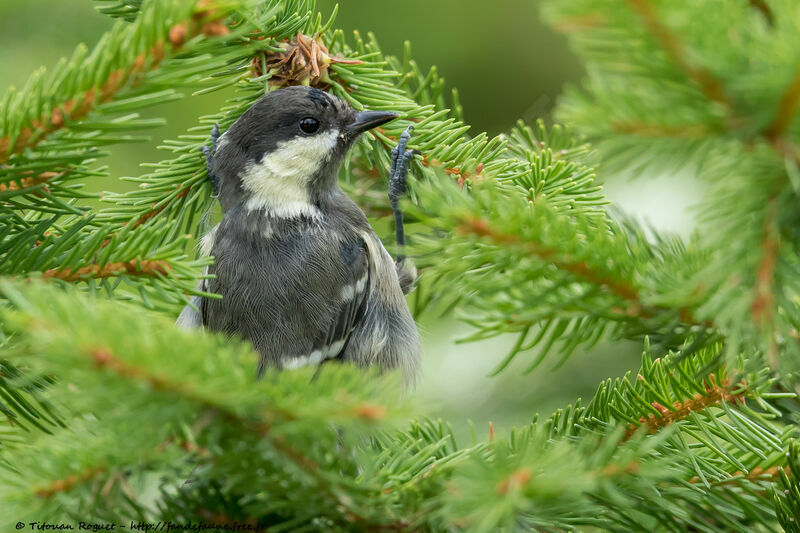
{"type": "Point", "coordinates": [309, 125]}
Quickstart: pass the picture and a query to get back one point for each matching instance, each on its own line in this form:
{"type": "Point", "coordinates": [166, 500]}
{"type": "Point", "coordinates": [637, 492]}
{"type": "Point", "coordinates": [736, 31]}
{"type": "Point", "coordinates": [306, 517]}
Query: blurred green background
{"type": "Point", "coordinates": [506, 65]}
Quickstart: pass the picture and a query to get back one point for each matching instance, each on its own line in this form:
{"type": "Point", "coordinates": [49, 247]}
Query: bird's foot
{"type": "Point", "coordinates": [401, 156]}
{"type": "Point", "coordinates": [209, 153]}
{"type": "Point", "coordinates": [399, 171]}
{"type": "Point", "coordinates": [397, 184]}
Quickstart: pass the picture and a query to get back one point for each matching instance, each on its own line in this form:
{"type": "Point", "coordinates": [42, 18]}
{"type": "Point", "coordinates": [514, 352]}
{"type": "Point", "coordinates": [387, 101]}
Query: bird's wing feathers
{"type": "Point", "coordinates": [350, 305]}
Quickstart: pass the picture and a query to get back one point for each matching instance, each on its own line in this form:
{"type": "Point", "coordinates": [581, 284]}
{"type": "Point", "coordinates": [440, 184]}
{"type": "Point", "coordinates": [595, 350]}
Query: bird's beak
{"type": "Point", "coordinates": [366, 120]}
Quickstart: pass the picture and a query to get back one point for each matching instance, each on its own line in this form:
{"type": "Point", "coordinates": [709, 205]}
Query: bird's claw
{"type": "Point", "coordinates": [399, 170]}
{"type": "Point", "coordinates": [398, 185]}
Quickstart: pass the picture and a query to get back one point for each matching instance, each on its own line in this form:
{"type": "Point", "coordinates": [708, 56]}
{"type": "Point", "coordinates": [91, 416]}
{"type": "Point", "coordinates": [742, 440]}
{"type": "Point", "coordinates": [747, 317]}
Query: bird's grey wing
{"type": "Point", "coordinates": [350, 307]}
{"type": "Point", "coordinates": [387, 336]}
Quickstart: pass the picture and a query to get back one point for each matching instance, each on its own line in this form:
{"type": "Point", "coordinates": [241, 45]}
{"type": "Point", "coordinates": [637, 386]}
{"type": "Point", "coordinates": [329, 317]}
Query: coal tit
{"type": "Point", "coordinates": [301, 272]}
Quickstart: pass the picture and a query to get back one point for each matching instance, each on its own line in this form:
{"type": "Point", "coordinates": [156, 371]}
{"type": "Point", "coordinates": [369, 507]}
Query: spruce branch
{"type": "Point", "coordinates": [53, 130]}
{"type": "Point", "coordinates": [125, 359]}
{"type": "Point", "coordinates": [715, 394]}
{"type": "Point", "coordinates": [480, 228]}
{"type": "Point", "coordinates": [585, 276]}
{"type": "Point", "coordinates": [130, 68]}
{"type": "Point", "coordinates": [521, 480]}
{"type": "Point", "coordinates": [418, 478]}
{"type": "Point", "coordinates": [725, 112]}
{"type": "Point", "coordinates": [103, 358]}
{"type": "Point", "coordinates": [741, 141]}
{"type": "Point", "coordinates": [98, 254]}
{"type": "Point", "coordinates": [31, 131]}
{"type": "Point", "coordinates": [29, 182]}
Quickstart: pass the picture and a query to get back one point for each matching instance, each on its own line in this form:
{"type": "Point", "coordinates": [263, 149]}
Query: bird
{"type": "Point", "coordinates": [301, 273]}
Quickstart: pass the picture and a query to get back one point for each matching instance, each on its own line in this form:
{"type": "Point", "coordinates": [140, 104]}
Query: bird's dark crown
{"type": "Point", "coordinates": [276, 117]}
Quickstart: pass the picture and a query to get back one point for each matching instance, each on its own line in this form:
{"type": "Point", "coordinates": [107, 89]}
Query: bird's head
{"type": "Point", "coordinates": [283, 154]}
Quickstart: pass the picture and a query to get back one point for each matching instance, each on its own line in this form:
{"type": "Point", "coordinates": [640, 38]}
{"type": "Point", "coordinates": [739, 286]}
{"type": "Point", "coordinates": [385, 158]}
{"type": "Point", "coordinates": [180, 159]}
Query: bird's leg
{"type": "Point", "coordinates": [406, 271]}
{"type": "Point", "coordinates": [209, 153]}
{"type": "Point", "coordinates": [398, 186]}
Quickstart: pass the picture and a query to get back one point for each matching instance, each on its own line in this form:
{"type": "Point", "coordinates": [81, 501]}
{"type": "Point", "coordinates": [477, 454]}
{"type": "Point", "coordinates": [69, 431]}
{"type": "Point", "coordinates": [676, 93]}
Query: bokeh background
{"type": "Point", "coordinates": [506, 65]}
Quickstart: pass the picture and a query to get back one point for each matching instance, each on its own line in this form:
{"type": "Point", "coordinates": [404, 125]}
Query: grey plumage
{"type": "Point", "coordinates": [302, 274]}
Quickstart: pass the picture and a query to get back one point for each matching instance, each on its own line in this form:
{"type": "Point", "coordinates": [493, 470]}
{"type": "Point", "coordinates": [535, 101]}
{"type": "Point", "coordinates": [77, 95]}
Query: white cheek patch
{"type": "Point", "coordinates": [279, 182]}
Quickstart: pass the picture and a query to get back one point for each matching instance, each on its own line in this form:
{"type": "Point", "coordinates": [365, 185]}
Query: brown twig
{"type": "Point", "coordinates": [462, 174]}
{"type": "Point", "coordinates": [680, 410]}
{"type": "Point", "coordinates": [787, 108]}
{"type": "Point", "coordinates": [755, 474]}
{"type": "Point", "coordinates": [133, 267]}
{"type": "Point", "coordinates": [689, 131]}
{"type": "Point", "coordinates": [479, 227]}
{"type": "Point", "coordinates": [580, 22]}
{"type": "Point", "coordinates": [29, 182]}
{"type": "Point", "coordinates": [156, 210]}
{"type": "Point", "coordinates": [708, 83]}
{"type": "Point", "coordinates": [104, 358]}
{"type": "Point", "coordinates": [615, 469]}
{"type": "Point", "coordinates": [515, 481]}
{"type": "Point", "coordinates": [68, 483]}
{"type": "Point", "coordinates": [762, 308]}
{"type": "Point", "coordinates": [761, 5]}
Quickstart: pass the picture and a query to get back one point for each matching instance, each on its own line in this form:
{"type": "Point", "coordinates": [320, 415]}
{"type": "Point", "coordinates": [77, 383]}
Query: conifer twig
{"type": "Point", "coordinates": [104, 358]}
{"type": "Point", "coordinates": [787, 109]}
{"type": "Point", "coordinates": [134, 267]}
{"type": "Point", "coordinates": [621, 288]}
{"type": "Point", "coordinates": [764, 9]}
{"type": "Point", "coordinates": [29, 182]}
{"type": "Point", "coordinates": [763, 306]}
{"type": "Point", "coordinates": [680, 410]}
{"type": "Point", "coordinates": [69, 482]}
{"type": "Point", "coordinates": [757, 473]}
{"type": "Point", "coordinates": [480, 228]}
{"type": "Point", "coordinates": [687, 131]}
{"type": "Point", "coordinates": [156, 210]}
{"type": "Point", "coordinates": [708, 83]}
